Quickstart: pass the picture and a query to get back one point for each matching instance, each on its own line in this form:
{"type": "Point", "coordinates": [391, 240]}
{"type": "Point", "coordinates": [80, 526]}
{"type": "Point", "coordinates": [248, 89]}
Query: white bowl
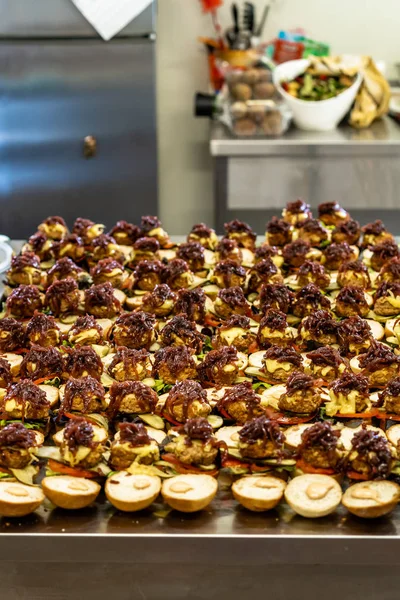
{"type": "Point", "coordinates": [323, 115]}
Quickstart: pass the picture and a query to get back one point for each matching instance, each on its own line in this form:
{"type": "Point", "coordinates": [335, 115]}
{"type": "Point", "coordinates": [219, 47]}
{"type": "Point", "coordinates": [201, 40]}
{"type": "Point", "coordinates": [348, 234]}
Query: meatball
{"type": "Point", "coordinates": [263, 272]}
{"type": "Point", "coordinates": [11, 335]}
{"type": "Point", "coordinates": [24, 400]}
{"type": "Point", "coordinates": [390, 271]}
{"type": "Point", "coordinates": [354, 335]}
{"type": "Point", "coordinates": [319, 446]}
{"type": "Point", "coordinates": [278, 232]}
{"type": "Point", "coordinates": [24, 301]}
{"type": "Point", "coordinates": [387, 299]}
{"type": "Point", "coordinates": [25, 269]}
{"type": "Point", "coordinates": [336, 254]}
{"type": "Point", "coordinates": [276, 296]}
{"type": "Point", "coordinates": [220, 367]}
{"type": "Point", "coordinates": [5, 373]}
{"type": "Point", "coordinates": [296, 253]}
{"type": "Point", "coordinates": [148, 274]}
{"type": "Point", "coordinates": [280, 362]}
{"type": "Point", "coordinates": [380, 364]}
{"type": "Point", "coordinates": [87, 229]}
{"type": "Point", "coordinates": [85, 395]}
{"type": "Point", "coordinates": [235, 332]}
{"type": "Point", "coordinates": [383, 253]}
{"type": "Point", "coordinates": [313, 272]}
{"type": "Point", "coordinates": [301, 395]}
{"type": "Point", "coordinates": [43, 331]}
{"type": "Point", "coordinates": [41, 245]}
{"type": "Point", "coordinates": [228, 249]}
{"type": "Point", "coordinates": [228, 273]}
{"type": "Point", "coordinates": [241, 232]}
{"type": "Point", "coordinates": [134, 330]}
{"type": "Point", "coordinates": [145, 248]}
{"type": "Point", "coordinates": [64, 268]}
{"type": "Point", "coordinates": [160, 302]}
{"type": "Point", "coordinates": [105, 246]}
{"type": "Point", "coordinates": [375, 233]}
{"type": "Point", "coordinates": [195, 444]}
{"type": "Point", "coordinates": [71, 246]}
{"type": "Point", "coordinates": [130, 365]}
{"type": "Point", "coordinates": [54, 228]}
{"type": "Point", "coordinates": [193, 254]}
{"type": "Point", "coordinates": [331, 213]}
{"type": "Point", "coordinates": [389, 398]}
{"type": "Point", "coordinates": [40, 362]}
{"type": "Point", "coordinates": [63, 297]}
{"type": "Point", "coordinates": [186, 400]}
{"type": "Point", "coordinates": [354, 273]}
{"type": "Point", "coordinates": [308, 300]}
{"type": "Point", "coordinates": [370, 455]}
{"type": "Point", "coordinates": [132, 444]}
{"type": "Point", "coordinates": [79, 434]}
{"type": "Point", "coordinates": [348, 395]}
{"type": "Point", "coordinates": [347, 231]}
{"type": "Point", "coordinates": [174, 364]}
{"type": "Point", "coordinates": [312, 232]}
{"type": "Point", "coordinates": [110, 270]}
{"type": "Point", "coordinates": [296, 212]}
{"type": "Point", "coordinates": [318, 329]}
{"type": "Point", "coordinates": [325, 363]}
{"type": "Point", "coordinates": [204, 235]}
{"type": "Point", "coordinates": [85, 332]}
{"type": "Point", "coordinates": [178, 275]}
{"type": "Point", "coordinates": [231, 301]}
{"type": "Point", "coordinates": [192, 304]}
{"type": "Point", "coordinates": [261, 438]}
{"type": "Point", "coordinates": [101, 302]}
{"type": "Point", "coordinates": [273, 329]}
{"type": "Point", "coordinates": [131, 397]}
{"type": "Point", "coordinates": [125, 233]}
{"type": "Point", "coordinates": [16, 444]}
{"type": "Point", "coordinates": [181, 332]}
{"type": "Point", "coordinates": [83, 362]}
{"type": "Point", "coordinates": [351, 302]}
{"type": "Point", "coordinates": [152, 227]}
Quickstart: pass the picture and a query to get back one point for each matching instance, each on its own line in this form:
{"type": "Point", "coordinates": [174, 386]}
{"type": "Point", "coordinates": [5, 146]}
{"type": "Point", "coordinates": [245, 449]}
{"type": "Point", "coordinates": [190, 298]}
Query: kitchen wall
{"type": "Point", "coordinates": [186, 183]}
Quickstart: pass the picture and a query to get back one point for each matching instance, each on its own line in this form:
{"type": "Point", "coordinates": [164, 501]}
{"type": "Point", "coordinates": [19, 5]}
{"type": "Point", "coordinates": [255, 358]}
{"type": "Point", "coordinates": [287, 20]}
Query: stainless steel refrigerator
{"type": "Point", "coordinates": [77, 117]}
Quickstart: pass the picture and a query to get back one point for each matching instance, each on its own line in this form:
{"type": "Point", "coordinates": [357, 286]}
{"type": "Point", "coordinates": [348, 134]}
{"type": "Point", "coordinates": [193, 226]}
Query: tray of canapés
{"type": "Point", "coordinates": [140, 366]}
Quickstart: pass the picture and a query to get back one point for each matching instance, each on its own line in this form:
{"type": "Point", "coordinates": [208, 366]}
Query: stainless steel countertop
{"type": "Point", "coordinates": [382, 137]}
{"type": "Point", "coordinates": [225, 534]}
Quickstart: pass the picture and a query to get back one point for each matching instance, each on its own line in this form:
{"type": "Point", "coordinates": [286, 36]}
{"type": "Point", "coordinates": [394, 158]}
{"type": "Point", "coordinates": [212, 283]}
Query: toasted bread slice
{"type": "Point", "coordinates": [258, 493]}
{"type": "Point", "coordinates": [18, 499]}
{"type": "Point", "coordinates": [371, 499]}
{"type": "Point", "coordinates": [69, 492]}
{"type": "Point", "coordinates": [189, 493]}
{"type": "Point", "coordinates": [313, 496]}
{"type": "Point", "coordinates": [131, 493]}
{"type": "Point", "coordinates": [347, 434]}
{"type": "Point", "coordinates": [229, 435]}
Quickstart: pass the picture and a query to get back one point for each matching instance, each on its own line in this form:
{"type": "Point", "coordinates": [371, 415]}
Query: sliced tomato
{"type": "Point", "coordinates": [2, 470]}
{"type": "Point", "coordinates": [307, 468]}
{"type": "Point", "coordinates": [183, 468]}
{"type": "Point", "coordinates": [254, 468]}
{"type": "Point", "coordinates": [170, 419]}
{"type": "Point", "coordinates": [254, 347]}
{"type": "Point", "coordinates": [388, 417]}
{"type": "Point", "coordinates": [362, 415]}
{"type": "Point", "coordinates": [229, 462]}
{"type": "Point", "coordinates": [58, 467]}
{"type": "Point", "coordinates": [283, 419]}
{"type": "Point", "coordinates": [20, 351]}
{"type": "Point", "coordinates": [43, 379]}
{"type": "Point", "coordinates": [358, 476]}
{"type": "Point", "coordinates": [212, 320]}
